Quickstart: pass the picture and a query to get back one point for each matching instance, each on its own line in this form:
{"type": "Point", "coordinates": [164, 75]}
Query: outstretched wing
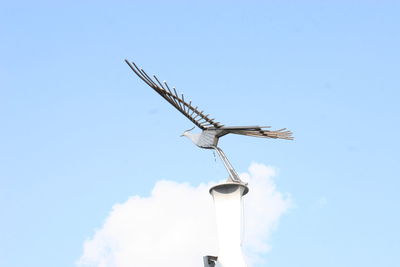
{"type": "Point", "coordinates": [257, 131]}
{"type": "Point", "coordinates": [192, 113]}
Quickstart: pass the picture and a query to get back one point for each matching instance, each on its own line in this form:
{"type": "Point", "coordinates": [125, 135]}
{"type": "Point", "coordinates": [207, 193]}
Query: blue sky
{"type": "Point", "coordinates": [81, 133]}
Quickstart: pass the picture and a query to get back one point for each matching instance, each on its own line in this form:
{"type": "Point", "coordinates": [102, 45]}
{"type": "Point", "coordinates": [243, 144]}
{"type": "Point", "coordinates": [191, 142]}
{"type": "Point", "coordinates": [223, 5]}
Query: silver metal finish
{"type": "Point", "coordinates": [211, 129]}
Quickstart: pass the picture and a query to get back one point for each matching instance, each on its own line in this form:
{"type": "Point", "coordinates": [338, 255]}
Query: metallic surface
{"type": "Point", "coordinates": [211, 129]}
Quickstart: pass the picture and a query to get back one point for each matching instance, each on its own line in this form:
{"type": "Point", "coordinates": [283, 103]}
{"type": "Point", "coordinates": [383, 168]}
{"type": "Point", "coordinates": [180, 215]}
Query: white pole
{"type": "Point", "coordinates": [228, 207]}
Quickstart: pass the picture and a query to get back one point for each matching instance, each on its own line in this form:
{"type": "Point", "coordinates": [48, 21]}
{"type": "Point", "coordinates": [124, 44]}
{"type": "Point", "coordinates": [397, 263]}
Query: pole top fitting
{"type": "Point", "coordinates": [229, 187]}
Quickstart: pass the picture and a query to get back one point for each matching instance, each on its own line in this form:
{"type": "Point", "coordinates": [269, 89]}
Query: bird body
{"type": "Point", "coordinates": [211, 130]}
{"type": "Point", "coordinates": [206, 139]}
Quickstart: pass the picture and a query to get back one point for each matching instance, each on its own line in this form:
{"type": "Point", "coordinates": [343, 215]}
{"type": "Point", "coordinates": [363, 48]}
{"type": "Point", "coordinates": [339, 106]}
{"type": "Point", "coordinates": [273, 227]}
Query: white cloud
{"type": "Point", "coordinates": [175, 225]}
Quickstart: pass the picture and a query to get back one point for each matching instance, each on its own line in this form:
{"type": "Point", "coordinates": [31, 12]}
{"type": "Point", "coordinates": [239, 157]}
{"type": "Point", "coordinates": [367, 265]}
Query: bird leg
{"type": "Point", "coordinates": [233, 176]}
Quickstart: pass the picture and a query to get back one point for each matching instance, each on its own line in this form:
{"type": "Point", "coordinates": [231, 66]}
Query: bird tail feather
{"type": "Point", "coordinates": [278, 134]}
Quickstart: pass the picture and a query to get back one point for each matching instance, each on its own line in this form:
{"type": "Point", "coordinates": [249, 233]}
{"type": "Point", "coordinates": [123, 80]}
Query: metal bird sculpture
{"type": "Point", "coordinates": [211, 129]}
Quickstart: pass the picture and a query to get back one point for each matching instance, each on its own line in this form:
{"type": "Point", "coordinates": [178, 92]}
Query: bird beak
{"type": "Point", "coordinates": [190, 129]}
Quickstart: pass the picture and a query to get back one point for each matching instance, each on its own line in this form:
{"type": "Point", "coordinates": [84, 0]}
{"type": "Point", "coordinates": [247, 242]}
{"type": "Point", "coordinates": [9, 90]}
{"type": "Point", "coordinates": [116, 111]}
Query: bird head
{"type": "Point", "coordinates": [186, 133]}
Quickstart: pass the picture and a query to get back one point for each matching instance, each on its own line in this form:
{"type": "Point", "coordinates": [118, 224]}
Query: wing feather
{"type": "Point", "coordinates": [192, 113]}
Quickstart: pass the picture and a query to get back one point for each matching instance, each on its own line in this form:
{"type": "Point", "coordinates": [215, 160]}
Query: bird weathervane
{"type": "Point", "coordinates": [211, 129]}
